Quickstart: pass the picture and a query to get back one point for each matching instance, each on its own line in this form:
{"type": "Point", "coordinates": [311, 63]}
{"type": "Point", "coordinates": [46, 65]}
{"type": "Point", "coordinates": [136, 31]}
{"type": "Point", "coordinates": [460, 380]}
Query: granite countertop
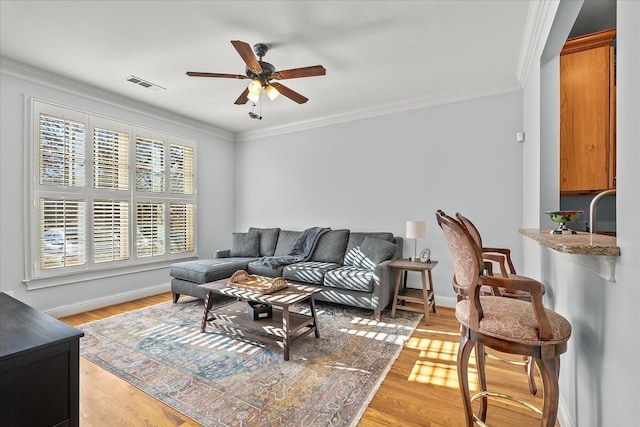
{"type": "Point", "coordinates": [582, 243]}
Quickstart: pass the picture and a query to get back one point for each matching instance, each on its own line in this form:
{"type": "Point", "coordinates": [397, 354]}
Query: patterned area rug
{"type": "Point", "coordinates": [220, 380]}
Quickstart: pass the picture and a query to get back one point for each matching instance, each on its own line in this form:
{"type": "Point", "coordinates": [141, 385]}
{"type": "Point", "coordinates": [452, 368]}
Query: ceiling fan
{"type": "Point", "coordinates": [262, 73]}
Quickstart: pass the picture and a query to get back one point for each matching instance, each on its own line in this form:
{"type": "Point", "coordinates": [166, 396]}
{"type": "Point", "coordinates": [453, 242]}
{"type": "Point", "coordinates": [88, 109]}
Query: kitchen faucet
{"type": "Point", "coordinates": [594, 203]}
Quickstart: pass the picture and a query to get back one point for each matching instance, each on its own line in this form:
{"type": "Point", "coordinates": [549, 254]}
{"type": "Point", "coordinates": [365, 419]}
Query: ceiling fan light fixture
{"type": "Point", "coordinates": [255, 87]}
{"type": "Point", "coordinates": [272, 92]}
{"type": "Point", "coordinates": [253, 97]}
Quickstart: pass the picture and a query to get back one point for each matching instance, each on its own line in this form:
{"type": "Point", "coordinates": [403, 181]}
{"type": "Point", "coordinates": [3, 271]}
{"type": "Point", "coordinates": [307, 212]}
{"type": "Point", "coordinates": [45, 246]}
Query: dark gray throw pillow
{"type": "Point", "coordinates": [376, 251]}
{"type": "Point", "coordinates": [268, 239]}
{"type": "Point", "coordinates": [246, 245]}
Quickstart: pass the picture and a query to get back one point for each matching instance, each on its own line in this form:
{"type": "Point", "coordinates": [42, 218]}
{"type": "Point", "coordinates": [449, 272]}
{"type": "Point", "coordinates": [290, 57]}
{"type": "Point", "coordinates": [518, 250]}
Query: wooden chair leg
{"type": "Point", "coordinates": [481, 362]}
{"type": "Point", "coordinates": [549, 370]}
{"type": "Point", "coordinates": [464, 351]}
{"type": "Point", "coordinates": [531, 374]}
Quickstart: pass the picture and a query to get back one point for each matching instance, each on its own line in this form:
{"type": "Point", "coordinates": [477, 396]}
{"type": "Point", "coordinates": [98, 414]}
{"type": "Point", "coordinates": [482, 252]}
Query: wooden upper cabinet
{"type": "Point", "coordinates": [587, 114]}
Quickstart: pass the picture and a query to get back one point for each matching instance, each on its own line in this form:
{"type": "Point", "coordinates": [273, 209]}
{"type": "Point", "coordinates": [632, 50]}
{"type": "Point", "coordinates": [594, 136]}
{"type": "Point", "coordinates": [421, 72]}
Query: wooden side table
{"type": "Point", "coordinates": [425, 296]}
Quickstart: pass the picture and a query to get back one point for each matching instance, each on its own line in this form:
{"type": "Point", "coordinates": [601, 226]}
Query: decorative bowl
{"type": "Point", "coordinates": [563, 217]}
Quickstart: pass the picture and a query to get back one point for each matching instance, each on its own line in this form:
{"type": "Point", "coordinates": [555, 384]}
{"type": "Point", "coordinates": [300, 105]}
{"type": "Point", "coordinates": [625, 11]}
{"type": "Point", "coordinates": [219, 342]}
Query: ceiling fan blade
{"type": "Point", "coordinates": [291, 94]}
{"type": "Point", "coordinates": [294, 73]}
{"type": "Point", "coordinates": [242, 99]}
{"type": "Point", "coordinates": [247, 55]}
{"type": "Point", "coordinates": [227, 76]}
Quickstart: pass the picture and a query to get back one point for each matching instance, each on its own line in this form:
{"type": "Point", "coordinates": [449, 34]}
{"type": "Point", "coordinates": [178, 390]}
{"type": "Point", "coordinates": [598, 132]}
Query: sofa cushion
{"type": "Point", "coordinates": [308, 272]}
{"type": "Point", "coordinates": [350, 277]}
{"type": "Point", "coordinates": [372, 252]}
{"type": "Point", "coordinates": [376, 251]}
{"type": "Point", "coordinates": [264, 270]}
{"type": "Point", "coordinates": [356, 238]}
{"type": "Point", "coordinates": [331, 247]}
{"type": "Point", "coordinates": [245, 244]}
{"type": "Point", "coordinates": [354, 257]}
{"type": "Point", "coordinates": [268, 240]}
{"type": "Point", "coordinates": [208, 270]}
{"type": "Point", "coordinates": [286, 240]}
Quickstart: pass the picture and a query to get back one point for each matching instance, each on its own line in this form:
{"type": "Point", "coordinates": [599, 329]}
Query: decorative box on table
{"type": "Point", "coordinates": [259, 310]}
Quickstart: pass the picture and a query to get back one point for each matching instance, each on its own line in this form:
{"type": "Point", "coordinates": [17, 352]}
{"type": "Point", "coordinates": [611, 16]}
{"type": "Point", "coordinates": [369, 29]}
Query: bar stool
{"type": "Point", "coordinates": [508, 325]}
{"type": "Point", "coordinates": [501, 256]}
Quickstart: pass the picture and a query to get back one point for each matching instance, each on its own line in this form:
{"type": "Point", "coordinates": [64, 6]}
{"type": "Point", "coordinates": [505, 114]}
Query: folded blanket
{"type": "Point", "coordinates": [301, 251]}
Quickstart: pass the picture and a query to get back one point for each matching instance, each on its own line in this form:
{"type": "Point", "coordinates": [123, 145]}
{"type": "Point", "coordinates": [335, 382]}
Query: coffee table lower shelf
{"type": "Point", "coordinates": [234, 320]}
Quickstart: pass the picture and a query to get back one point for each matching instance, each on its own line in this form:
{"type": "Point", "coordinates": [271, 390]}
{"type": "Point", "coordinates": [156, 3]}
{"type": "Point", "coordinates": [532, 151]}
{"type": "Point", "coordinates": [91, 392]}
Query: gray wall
{"type": "Point", "coordinates": [215, 195]}
{"type": "Point", "coordinates": [377, 173]}
{"type": "Point", "coordinates": [599, 384]}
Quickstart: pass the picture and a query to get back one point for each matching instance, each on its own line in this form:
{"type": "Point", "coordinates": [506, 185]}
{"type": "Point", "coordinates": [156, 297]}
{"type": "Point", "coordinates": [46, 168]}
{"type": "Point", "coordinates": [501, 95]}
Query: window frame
{"type": "Point", "coordinates": [35, 276]}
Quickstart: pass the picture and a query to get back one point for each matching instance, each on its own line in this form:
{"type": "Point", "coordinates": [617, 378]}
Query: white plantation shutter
{"type": "Point", "coordinates": [61, 151]}
{"type": "Point", "coordinates": [181, 227]}
{"type": "Point", "coordinates": [110, 230]}
{"type": "Point", "coordinates": [150, 229]}
{"type": "Point", "coordinates": [108, 195]}
{"type": "Point", "coordinates": [110, 159]}
{"type": "Point", "coordinates": [149, 165]}
{"type": "Point", "coordinates": [182, 169]}
{"type": "Point", "coordinates": [62, 235]}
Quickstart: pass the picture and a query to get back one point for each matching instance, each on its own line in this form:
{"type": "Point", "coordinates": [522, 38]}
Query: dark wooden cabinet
{"type": "Point", "coordinates": [39, 367]}
{"type": "Point", "coordinates": [587, 114]}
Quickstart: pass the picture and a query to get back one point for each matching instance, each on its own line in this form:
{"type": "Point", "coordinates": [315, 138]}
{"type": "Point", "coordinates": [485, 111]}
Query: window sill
{"type": "Point", "coordinates": [46, 282]}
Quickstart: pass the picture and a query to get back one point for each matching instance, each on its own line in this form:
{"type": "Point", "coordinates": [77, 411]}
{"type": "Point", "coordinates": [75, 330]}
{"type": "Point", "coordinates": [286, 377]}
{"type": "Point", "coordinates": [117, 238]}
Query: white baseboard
{"type": "Point", "coordinates": [446, 301]}
{"type": "Point", "coordinates": [83, 306]}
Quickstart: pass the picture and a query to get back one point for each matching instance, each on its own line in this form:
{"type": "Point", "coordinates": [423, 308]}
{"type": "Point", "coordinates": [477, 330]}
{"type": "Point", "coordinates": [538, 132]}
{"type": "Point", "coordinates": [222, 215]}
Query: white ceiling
{"type": "Point", "coordinates": [380, 56]}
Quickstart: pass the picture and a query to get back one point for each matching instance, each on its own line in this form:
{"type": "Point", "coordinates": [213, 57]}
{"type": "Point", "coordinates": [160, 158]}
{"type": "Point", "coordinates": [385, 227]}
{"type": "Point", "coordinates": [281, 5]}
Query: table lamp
{"type": "Point", "coordinates": [416, 230]}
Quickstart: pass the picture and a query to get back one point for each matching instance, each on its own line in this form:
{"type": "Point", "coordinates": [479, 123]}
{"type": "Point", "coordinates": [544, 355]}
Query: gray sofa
{"type": "Point", "coordinates": [350, 268]}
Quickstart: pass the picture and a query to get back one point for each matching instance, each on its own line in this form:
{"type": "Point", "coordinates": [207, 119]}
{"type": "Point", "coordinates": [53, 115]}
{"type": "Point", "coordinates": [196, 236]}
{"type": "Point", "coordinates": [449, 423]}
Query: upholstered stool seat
{"type": "Point", "coordinates": [513, 320]}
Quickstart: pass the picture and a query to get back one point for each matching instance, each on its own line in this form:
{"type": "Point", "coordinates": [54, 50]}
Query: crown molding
{"type": "Point", "coordinates": [36, 75]}
{"type": "Point", "coordinates": [393, 108]}
{"type": "Point", "coordinates": [533, 30]}
{"type": "Point", "coordinates": [42, 77]}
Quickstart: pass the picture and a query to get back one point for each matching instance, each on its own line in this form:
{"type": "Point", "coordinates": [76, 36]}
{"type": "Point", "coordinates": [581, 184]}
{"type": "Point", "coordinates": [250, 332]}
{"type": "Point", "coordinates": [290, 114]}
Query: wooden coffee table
{"type": "Point", "coordinates": [283, 328]}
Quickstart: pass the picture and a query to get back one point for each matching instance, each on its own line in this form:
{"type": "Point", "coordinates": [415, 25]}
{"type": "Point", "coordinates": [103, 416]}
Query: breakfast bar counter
{"type": "Point", "coordinates": [582, 243]}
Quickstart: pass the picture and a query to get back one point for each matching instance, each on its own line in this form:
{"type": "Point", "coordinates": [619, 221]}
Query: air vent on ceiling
{"type": "Point", "coordinates": [140, 82]}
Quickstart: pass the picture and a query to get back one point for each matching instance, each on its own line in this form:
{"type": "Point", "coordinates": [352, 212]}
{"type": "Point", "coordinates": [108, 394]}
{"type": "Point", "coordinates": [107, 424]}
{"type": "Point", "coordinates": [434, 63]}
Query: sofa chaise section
{"type": "Point", "coordinates": [186, 276]}
{"type": "Point", "coordinates": [246, 247]}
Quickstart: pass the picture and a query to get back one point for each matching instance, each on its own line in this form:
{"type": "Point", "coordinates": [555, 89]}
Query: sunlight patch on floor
{"type": "Point", "coordinates": [378, 336]}
{"type": "Point", "coordinates": [440, 374]}
{"type": "Point", "coordinates": [436, 361]}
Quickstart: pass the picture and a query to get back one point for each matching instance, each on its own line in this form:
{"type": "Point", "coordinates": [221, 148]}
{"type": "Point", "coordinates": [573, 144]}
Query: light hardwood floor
{"type": "Point", "coordinates": [421, 389]}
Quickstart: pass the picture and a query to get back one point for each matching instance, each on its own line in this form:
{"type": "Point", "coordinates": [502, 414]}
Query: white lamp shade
{"type": "Point", "coordinates": [416, 230]}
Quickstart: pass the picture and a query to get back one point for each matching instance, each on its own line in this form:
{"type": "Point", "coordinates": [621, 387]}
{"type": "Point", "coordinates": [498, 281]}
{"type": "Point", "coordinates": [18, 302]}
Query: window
{"type": "Point", "coordinates": [149, 165]}
{"type": "Point", "coordinates": [150, 221]}
{"type": "Point", "coordinates": [180, 222]}
{"type": "Point", "coordinates": [110, 230]}
{"type": "Point", "coordinates": [103, 202]}
{"type": "Point", "coordinates": [61, 152]}
{"type": "Point", "coordinates": [61, 233]}
{"type": "Point", "coordinates": [110, 159]}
